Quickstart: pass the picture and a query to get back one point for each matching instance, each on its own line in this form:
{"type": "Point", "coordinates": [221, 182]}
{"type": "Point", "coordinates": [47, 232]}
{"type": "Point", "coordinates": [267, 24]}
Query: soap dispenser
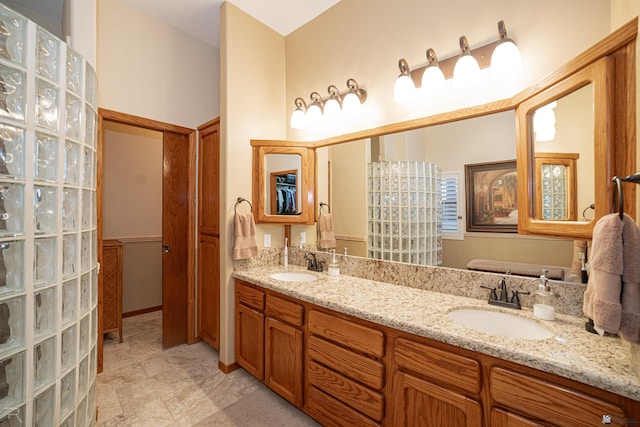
{"type": "Point", "coordinates": [334, 266]}
{"type": "Point", "coordinates": [543, 300]}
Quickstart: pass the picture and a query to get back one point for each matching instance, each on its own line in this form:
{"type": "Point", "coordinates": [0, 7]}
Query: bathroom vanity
{"type": "Point", "coordinates": [351, 351]}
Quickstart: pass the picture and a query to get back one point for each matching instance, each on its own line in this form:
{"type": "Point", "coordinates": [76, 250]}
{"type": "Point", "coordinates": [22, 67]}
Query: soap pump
{"type": "Point", "coordinates": [334, 267]}
{"type": "Point", "coordinates": [543, 303]}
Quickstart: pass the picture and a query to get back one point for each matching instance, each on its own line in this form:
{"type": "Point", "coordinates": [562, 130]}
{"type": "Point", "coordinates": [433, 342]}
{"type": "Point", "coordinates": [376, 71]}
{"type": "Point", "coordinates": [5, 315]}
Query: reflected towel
{"type": "Point", "coordinates": [612, 298]}
{"type": "Point", "coordinates": [326, 236]}
{"type": "Point", "coordinates": [579, 246]}
{"type": "Point", "coordinates": [244, 245]}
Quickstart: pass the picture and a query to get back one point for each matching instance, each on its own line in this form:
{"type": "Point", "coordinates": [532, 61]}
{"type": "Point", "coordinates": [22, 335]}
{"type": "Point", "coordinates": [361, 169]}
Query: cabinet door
{"type": "Point", "coordinates": [418, 402]}
{"type": "Point", "coordinates": [283, 360]}
{"type": "Point", "coordinates": [249, 340]}
{"type": "Point", "coordinates": [209, 290]}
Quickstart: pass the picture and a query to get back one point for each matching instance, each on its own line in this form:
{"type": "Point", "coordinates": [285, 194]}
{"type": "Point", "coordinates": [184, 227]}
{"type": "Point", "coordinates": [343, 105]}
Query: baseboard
{"type": "Point", "coordinates": [227, 368]}
{"type": "Point", "coordinates": [141, 311]}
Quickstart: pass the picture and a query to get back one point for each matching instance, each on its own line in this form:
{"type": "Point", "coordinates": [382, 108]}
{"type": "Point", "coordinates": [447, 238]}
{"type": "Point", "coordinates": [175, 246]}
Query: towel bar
{"type": "Point", "coordinates": [240, 200]}
{"type": "Point", "coordinates": [323, 204]}
{"type": "Point", "coordinates": [631, 178]}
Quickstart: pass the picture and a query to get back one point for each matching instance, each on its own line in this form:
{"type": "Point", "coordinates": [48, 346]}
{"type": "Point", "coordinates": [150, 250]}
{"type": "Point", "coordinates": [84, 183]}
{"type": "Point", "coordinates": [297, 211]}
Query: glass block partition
{"type": "Point", "coordinates": [48, 240]}
{"type": "Point", "coordinates": [554, 193]}
{"type": "Point", "coordinates": [404, 212]}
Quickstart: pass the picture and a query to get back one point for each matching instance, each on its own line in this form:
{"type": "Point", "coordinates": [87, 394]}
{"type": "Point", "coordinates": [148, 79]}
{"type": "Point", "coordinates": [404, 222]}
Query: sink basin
{"type": "Point", "coordinates": [294, 276]}
{"type": "Point", "coordinates": [502, 324]}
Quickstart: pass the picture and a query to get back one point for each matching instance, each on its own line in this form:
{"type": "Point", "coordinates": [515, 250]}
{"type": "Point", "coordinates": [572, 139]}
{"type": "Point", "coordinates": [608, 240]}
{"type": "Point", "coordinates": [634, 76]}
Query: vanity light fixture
{"type": "Point", "coordinates": [334, 107]}
{"type": "Point", "coordinates": [506, 61]}
{"type": "Point", "coordinates": [503, 55]}
{"type": "Point", "coordinates": [433, 78]}
{"type": "Point", "coordinates": [544, 122]}
{"type": "Point", "coordinates": [466, 73]}
{"type": "Point", "coordinates": [404, 89]}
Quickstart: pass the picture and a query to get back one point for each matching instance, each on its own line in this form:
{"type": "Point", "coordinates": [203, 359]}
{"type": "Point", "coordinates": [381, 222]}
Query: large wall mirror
{"type": "Point", "coordinates": [282, 185]}
{"type": "Point", "coordinates": [342, 182]}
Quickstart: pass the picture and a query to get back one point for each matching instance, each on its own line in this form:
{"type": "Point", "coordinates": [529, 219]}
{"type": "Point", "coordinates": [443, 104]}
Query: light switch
{"type": "Point", "coordinates": [303, 237]}
{"type": "Point", "coordinates": [267, 240]}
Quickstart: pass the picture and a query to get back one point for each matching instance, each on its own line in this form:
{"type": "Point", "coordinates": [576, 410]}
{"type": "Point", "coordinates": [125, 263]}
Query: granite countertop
{"type": "Point", "coordinates": [574, 353]}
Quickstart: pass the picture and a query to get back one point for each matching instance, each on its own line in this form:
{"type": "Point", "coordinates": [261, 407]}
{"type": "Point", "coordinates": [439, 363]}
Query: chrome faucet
{"type": "Point", "coordinates": [314, 264]}
{"type": "Point", "coordinates": [503, 299]}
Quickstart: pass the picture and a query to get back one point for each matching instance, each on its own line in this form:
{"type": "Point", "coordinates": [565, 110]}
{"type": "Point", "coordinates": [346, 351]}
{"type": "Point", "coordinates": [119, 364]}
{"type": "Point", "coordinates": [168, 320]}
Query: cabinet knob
{"type": "Point", "coordinates": [166, 249]}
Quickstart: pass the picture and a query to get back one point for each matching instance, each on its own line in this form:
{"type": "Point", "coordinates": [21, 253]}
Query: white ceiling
{"type": "Point", "coordinates": [201, 18]}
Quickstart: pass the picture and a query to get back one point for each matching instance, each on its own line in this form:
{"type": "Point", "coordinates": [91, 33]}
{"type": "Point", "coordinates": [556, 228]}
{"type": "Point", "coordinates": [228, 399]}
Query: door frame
{"type": "Point", "coordinates": [141, 122]}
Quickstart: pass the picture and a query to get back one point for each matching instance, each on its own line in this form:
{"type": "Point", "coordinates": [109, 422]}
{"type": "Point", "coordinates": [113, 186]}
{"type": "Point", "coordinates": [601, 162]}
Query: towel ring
{"type": "Point", "coordinates": [240, 200]}
{"type": "Point", "coordinates": [323, 204]}
{"type": "Point", "coordinates": [631, 178]}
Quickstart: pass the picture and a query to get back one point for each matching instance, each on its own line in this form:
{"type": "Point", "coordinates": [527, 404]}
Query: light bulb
{"type": "Point", "coordinates": [466, 73]}
{"type": "Point", "coordinates": [506, 61]}
{"type": "Point", "coordinates": [332, 110]}
{"type": "Point", "coordinates": [433, 80]}
{"type": "Point", "coordinates": [351, 104]}
{"type": "Point", "coordinates": [314, 115]}
{"type": "Point", "coordinates": [404, 89]}
{"type": "Point", "coordinates": [298, 119]}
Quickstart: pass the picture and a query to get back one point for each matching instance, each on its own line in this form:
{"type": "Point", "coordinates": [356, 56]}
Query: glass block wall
{"type": "Point", "coordinates": [554, 192]}
{"type": "Point", "coordinates": [48, 259]}
{"type": "Point", "coordinates": [404, 212]}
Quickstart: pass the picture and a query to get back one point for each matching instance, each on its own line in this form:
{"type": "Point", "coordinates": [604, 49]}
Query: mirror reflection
{"type": "Point", "coordinates": [563, 133]}
{"type": "Point", "coordinates": [342, 183]}
{"type": "Point", "coordinates": [282, 179]}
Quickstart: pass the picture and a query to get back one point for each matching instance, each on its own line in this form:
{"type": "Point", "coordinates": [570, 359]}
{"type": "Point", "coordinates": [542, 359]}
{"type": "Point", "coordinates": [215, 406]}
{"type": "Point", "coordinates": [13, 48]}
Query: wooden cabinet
{"type": "Point", "coordinates": [269, 340]}
{"type": "Point", "coordinates": [249, 329]}
{"type": "Point", "coordinates": [543, 401]}
{"type": "Point", "coordinates": [344, 371]}
{"type": "Point", "coordinates": [435, 387]}
{"type": "Point", "coordinates": [418, 402]}
{"type": "Point", "coordinates": [208, 289]}
{"type": "Point", "coordinates": [112, 286]}
{"type": "Point", "coordinates": [284, 352]}
{"type": "Point", "coordinates": [344, 367]}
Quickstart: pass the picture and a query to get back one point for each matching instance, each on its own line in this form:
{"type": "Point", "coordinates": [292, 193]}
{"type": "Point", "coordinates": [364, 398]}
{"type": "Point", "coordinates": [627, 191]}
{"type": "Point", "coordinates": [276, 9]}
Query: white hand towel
{"type": "Point", "coordinates": [326, 236]}
{"type": "Point", "coordinates": [245, 236]}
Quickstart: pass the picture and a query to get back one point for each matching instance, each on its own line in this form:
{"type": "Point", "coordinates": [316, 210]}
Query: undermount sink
{"type": "Point", "coordinates": [294, 276]}
{"type": "Point", "coordinates": [502, 324]}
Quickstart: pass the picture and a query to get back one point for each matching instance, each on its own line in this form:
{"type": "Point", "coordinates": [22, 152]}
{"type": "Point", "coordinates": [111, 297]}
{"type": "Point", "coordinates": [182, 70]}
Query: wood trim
{"type": "Point", "coordinates": [192, 192]}
{"type": "Point", "coordinates": [227, 369]}
{"type": "Point", "coordinates": [99, 224]}
{"type": "Point", "coordinates": [129, 119]}
{"type": "Point", "coordinates": [141, 311]}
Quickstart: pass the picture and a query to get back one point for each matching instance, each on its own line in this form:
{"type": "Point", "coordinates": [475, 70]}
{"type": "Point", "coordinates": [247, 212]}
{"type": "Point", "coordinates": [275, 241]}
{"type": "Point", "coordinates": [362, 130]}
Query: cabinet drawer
{"type": "Point", "coordinates": [361, 368]}
{"type": "Point", "coordinates": [440, 365]}
{"type": "Point", "coordinates": [284, 310]}
{"type": "Point", "coordinates": [357, 337]}
{"type": "Point", "coordinates": [546, 401]}
{"type": "Point", "coordinates": [354, 394]}
{"type": "Point", "coordinates": [249, 296]}
{"type": "Point", "coordinates": [332, 412]}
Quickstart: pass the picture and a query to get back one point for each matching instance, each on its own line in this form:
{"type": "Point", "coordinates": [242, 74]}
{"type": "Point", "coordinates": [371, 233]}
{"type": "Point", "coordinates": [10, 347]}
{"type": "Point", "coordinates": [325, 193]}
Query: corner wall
{"type": "Point", "coordinates": [252, 78]}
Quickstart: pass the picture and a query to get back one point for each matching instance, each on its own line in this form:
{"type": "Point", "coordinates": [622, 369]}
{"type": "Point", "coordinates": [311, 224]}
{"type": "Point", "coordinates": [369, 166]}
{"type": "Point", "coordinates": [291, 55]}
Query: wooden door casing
{"type": "Point", "coordinates": [189, 279]}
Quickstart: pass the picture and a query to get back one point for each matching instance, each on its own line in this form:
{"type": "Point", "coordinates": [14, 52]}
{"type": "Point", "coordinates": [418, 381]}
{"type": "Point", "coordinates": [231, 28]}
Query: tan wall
{"type": "Point", "coordinates": [132, 209]}
{"type": "Point", "coordinates": [252, 59]}
{"type": "Point", "coordinates": [152, 70]}
{"type": "Point", "coordinates": [141, 274]}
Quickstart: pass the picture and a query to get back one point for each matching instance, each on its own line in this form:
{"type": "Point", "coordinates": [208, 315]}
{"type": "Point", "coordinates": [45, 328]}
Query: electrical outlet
{"type": "Point", "coordinates": [267, 240]}
{"type": "Point", "coordinates": [303, 237]}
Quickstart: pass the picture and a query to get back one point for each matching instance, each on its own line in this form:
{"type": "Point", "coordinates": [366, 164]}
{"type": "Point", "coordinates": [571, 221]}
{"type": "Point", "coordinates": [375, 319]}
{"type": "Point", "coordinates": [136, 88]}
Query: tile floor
{"type": "Point", "coordinates": [143, 385]}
